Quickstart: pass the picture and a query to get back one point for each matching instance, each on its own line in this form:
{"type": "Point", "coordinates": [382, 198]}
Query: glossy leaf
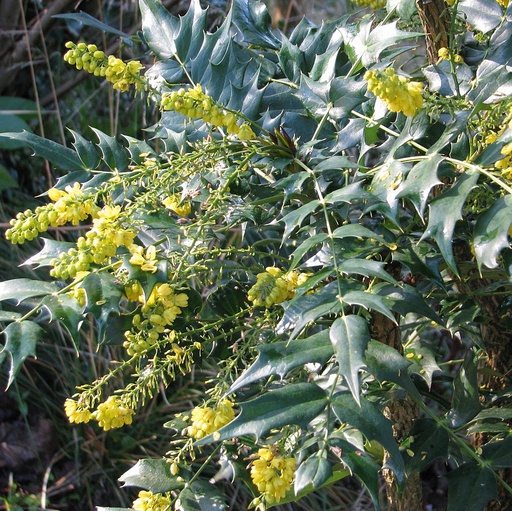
{"type": "Point", "coordinates": [201, 496]}
{"type": "Point", "coordinates": [254, 23]}
{"type": "Point", "coordinates": [151, 475]}
{"type": "Point", "coordinates": [114, 154]}
{"type": "Point", "coordinates": [466, 401]}
{"type": "Point", "coordinates": [491, 232]}
{"type": "Point", "coordinates": [481, 14]}
{"type": "Point", "coordinates": [21, 289]}
{"type": "Point", "coordinates": [295, 218]}
{"type": "Point", "coordinates": [471, 483]}
{"type": "Point", "coordinates": [297, 404]}
{"type": "Point", "coordinates": [365, 267]}
{"type": "Point", "coordinates": [498, 454]}
{"type": "Point", "coordinates": [281, 357]}
{"type": "Point", "coordinates": [350, 336]}
{"type": "Point", "coordinates": [86, 150]}
{"type": "Point", "coordinates": [386, 364]}
{"type": "Point", "coordinates": [367, 418]}
{"type": "Point", "coordinates": [313, 472]}
{"type": "Point", "coordinates": [21, 339]}
{"type": "Point", "coordinates": [59, 155]}
{"type": "Point", "coordinates": [445, 211]}
{"type": "Point", "coordinates": [430, 442]}
{"type": "Point", "coordinates": [50, 251]}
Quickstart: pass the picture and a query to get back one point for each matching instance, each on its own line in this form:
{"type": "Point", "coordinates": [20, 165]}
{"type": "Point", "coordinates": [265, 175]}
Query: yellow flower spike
{"type": "Point", "coordinates": [398, 92]}
{"type": "Point", "coordinates": [174, 203]}
{"type": "Point", "coordinates": [148, 501]}
{"type": "Point", "coordinates": [273, 475]}
{"type": "Point", "coordinates": [207, 420]}
{"type": "Point", "coordinates": [75, 413]}
{"type": "Point", "coordinates": [113, 414]}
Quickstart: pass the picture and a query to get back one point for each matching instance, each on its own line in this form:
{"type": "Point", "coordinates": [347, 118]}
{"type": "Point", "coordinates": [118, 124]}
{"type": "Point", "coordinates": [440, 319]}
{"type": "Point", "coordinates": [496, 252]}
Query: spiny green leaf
{"type": "Point", "coordinates": [114, 153]}
{"type": "Point", "coordinates": [280, 357]}
{"type": "Point", "coordinates": [466, 400]}
{"type": "Point", "coordinates": [50, 251]}
{"type": "Point", "coordinates": [481, 14]}
{"type": "Point", "coordinates": [59, 155]}
{"type": "Point", "coordinates": [471, 483]}
{"type": "Point", "coordinates": [21, 289]}
{"type": "Point", "coordinates": [386, 364]}
{"type": "Point", "coordinates": [86, 151]}
{"type": "Point", "coordinates": [491, 232]}
{"type": "Point", "coordinates": [424, 360]}
{"type": "Point", "coordinates": [420, 180]}
{"type": "Point", "coordinates": [151, 475]}
{"type": "Point", "coordinates": [430, 442]}
{"type": "Point", "coordinates": [297, 404]}
{"type": "Point", "coordinates": [367, 418]}
{"type": "Point", "coordinates": [445, 211]}
{"type": "Point", "coordinates": [313, 472]}
{"type": "Point", "coordinates": [368, 301]}
{"type": "Point", "coordinates": [365, 267]}
{"type": "Point", "coordinates": [406, 299]}
{"type": "Point", "coordinates": [254, 23]}
{"type": "Point", "coordinates": [8, 316]}
{"type": "Point", "coordinates": [498, 454]}
{"type": "Point", "coordinates": [350, 336]}
{"type": "Point", "coordinates": [201, 496]}
{"type": "Point", "coordinates": [68, 312]}
{"type": "Point", "coordinates": [21, 339]}
{"type": "Point", "coordinates": [295, 218]}
{"type": "Point", "coordinates": [305, 309]}
{"type": "Point", "coordinates": [371, 41]}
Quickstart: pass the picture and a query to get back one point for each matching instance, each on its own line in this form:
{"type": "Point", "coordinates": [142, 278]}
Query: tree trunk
{"type": "Point", "coordinates": [402, 413]}
{"type": "Point", "coordinates": [435, 18]}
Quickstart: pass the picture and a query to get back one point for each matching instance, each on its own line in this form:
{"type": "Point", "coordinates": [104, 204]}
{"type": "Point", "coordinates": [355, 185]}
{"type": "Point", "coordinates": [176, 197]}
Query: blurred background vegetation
{"type": "Point", "coordinates": [45, 463]}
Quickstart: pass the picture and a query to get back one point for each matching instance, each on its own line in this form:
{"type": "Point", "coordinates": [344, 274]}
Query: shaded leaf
{"type": "Point", "coordinates": [305, 309]}
{"type": "Point", "coordinates": [21, 339]}
{"type": "Point", "coordinates": [281, 357]}
{"type": "Point", "coordinates": [295, 218]}
{"type": "Point", "coordinates": [491, 232]}
{"type": "Point", "coordinates": [151, 475]}
{"type": "Point", "coordinates": [498, 454]}
{"type": "Point", "coordinates": [86, 151]}
{"type": "Point", "coordinates": [295, 404]}
{"type": "Point", "coordinates": [430, 442]}
{"type": "Point", "coordinates": [113, 152]}
{"type": "Point", "coordinates": [368, 301]}
{"type": "Point", "coordinates": [68, 312]}
{"type": "Point", "coordinates": [466, 401]}
{"type": "Point", "coordinates": [201, 496]}
{"type": "Point", "coordinates": [420, 180]}
{"type": "Point", "coordinates": [367, 418]}
{"type": "Point", "coordinates": [254, 23]}
{"type": "Point", "coordinates": [365, 267]}
{"type": "Point", "coordinates": [471, 483]}
{"type": "Point", "coordinates": [386, 364]}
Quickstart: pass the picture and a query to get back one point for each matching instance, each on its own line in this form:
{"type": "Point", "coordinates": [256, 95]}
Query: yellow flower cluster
{"type": "Point", "coordinates": [145, 258]}
{"type": "Point", "coordinates": [272, 474]}
{"type": "Point", "coordinates": [505, 165]}
{"type": "Point", "coordinates": [372, 4]}
{"type": "Point", "coordinates": [397, 91]}
{"type": "Point", "coordinates": [194, 103]}
{"type": "Point", "coordinates": [503, 3]}
{"type": "Point", "coordinates": [149, 501]}
{"type": "Point", "coordinates": [97, 246]}
{"type": "Point", "coordinates": [69, 205]}
{"type": "Point", "coordinates": [180, 207]}
{"type": "Point", "coordinates": [273, 286]}
{"type": "Point", "coordinates": [207, 420]}
{"type": "Point", "coordinates": [157, 314]}
{"type": "Point", "coordinates": [75, 413]}
{"type": "Point", "coordinates": [119, 73]}
{"type": "Point", "coordinates": [113, 413]}
{"type": "Point", "coordinates": [444, 54]}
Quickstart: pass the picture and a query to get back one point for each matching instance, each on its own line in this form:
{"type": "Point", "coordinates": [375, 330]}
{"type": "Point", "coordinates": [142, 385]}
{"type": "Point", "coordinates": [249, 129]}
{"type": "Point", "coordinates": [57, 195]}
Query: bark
{"type": "Point", "coordinates": [435, 18]}
{"type": "Point", "coordinates": [402, 413]}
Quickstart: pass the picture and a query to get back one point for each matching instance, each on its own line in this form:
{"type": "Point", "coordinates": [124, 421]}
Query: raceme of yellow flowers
{"type": "Point", "coordinates": [273, 286]}
{"type": "Point", "coordinates": [372, 4]}
{"type": "Point", "coordinates": [397, 91]}
{"type": "Point", "coordinates": [207, 420]}
{"type": "Point", "coordinates": [148, 501]}
{"type": "Point", "coordinates": [272, 474]}
{"type": "Point", "coordinates": [194, 103]}
{"type": "Point", "coordinates": [94, 61]}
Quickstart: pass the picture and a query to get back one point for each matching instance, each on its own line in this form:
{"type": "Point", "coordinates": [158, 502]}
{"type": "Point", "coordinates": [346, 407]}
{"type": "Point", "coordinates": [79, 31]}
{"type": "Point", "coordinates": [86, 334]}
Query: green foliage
{"type": "Point", "coordinates": [272, 233]}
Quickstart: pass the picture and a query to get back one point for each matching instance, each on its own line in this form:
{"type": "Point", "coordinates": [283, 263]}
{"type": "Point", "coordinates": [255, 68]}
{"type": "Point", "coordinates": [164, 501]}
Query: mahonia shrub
{"type": "Point", "coordinates": [309, 217]}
